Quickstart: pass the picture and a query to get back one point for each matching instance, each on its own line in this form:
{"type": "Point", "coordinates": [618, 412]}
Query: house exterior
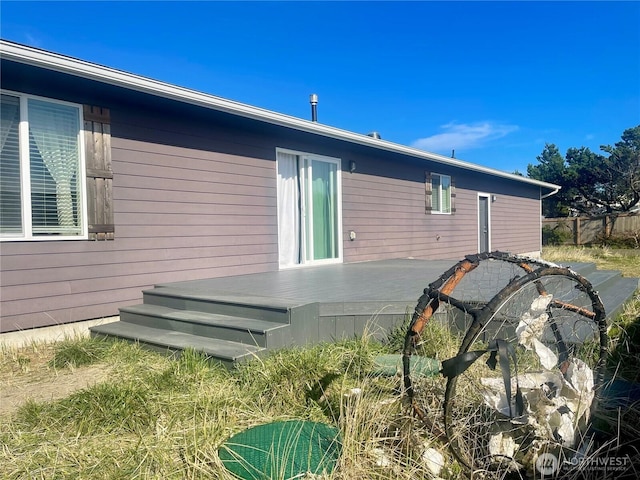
{"type": "Point", "coordinates": [111, 183]}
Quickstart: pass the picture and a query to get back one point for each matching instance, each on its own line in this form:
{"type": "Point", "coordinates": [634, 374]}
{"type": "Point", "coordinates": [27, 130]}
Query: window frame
{"type": "Point", "coordinates": [440, 192]}
{"type": "Point", "coordinates": [25, 174]}
{"type": "Point", "coordinates": [306, 158]}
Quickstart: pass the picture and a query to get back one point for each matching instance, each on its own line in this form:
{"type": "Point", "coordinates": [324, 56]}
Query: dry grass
{"type": "Point", "coordinates": [157, 417]}
{"type": "Point", "coordinates": [624, 329]}
{"type": "Point", "coordinates": [625, 261]}
{"type": "Point", "coordinates": [163, 418]}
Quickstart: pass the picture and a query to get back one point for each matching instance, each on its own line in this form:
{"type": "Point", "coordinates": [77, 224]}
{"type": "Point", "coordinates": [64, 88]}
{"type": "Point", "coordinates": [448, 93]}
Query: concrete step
{"type": "Point", "coordinates": [224, 327]}
{"type": "Point", "coordinates": [256, 307]}
{"type": "Point", "coordinates": [164, 340]}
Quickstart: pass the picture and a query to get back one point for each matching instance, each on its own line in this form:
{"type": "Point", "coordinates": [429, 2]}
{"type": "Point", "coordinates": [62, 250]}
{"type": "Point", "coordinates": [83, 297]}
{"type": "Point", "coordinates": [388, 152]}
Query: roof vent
{"type": "Point", "coordinates": [375, 135]}
{"type": "Point", "coordinates": [313, 100]}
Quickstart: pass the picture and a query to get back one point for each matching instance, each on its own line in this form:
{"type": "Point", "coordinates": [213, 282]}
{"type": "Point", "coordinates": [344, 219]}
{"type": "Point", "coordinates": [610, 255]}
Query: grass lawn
{"type": "Point", "coordinates": [132, 413]}
{"type": "Point", "coordinates": [625, 261]}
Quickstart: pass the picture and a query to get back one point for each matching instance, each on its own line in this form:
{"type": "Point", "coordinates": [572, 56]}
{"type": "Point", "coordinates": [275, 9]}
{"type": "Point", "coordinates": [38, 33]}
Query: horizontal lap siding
{"type": "Point", "coordinates": [389, 219]}
{"type": "Point", "coordinates": [388, 216]}
{"type": "Point", "coordinates": [195, 197]}
{"type": "Point", "coordinates": [515, 224]}
{"type": "Point", "coordinates": [180, 213]}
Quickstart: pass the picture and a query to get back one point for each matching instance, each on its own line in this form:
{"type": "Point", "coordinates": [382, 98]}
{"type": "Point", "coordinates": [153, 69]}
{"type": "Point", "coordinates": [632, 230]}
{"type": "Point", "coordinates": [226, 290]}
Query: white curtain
{"type": "Point", "coordinates": [288, 210]}
{"type": "Point", "coordinates": [54, 129]}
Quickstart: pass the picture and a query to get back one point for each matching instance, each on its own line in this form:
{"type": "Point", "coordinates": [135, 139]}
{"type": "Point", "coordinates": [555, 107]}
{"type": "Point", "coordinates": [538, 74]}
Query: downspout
{"type": "Point", "coordinates": [542, 197]}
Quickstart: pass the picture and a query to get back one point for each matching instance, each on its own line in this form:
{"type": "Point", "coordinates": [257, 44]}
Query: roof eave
{"type": "Point", "coordinates": [72, 66]}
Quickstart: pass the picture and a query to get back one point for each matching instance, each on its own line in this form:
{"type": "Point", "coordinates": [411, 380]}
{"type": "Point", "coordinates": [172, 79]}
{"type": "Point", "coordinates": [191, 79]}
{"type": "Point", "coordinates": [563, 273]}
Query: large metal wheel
{"type": "Point", "coordinates": [521, 390]}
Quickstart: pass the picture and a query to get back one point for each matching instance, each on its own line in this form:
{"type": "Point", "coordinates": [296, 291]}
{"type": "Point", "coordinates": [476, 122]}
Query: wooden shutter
{"type": "Point", "coordinates": [428, 190]}
{"type": "Point", "coordinates": [97, 137]}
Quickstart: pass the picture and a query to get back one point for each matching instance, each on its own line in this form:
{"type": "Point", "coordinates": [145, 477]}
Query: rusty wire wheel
{"type": "Point", "coordinates": [525, 380]}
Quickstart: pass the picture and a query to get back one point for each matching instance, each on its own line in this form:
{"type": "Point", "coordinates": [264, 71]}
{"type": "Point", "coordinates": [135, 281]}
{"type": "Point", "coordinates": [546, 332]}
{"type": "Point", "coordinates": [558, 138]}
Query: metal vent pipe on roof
{"type": "Point", "coordinates": [375, 135]}
{"type": "Point", "coordinates": [313, 99]}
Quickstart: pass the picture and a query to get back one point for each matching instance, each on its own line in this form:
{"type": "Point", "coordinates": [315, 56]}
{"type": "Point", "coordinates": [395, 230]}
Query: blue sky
{"type": "Point", "coordinates": [493, 81]}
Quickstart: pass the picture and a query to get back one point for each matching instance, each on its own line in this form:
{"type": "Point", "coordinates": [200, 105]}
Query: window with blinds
{"type": "Point", "coordinates": [41, 169]}
{"type": "Point", "coordinates": [10, 183]}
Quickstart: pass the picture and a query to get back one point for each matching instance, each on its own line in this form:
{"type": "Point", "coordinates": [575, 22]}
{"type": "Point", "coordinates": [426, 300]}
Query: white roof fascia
{"type": "Point", "coordinates": [80, 68]}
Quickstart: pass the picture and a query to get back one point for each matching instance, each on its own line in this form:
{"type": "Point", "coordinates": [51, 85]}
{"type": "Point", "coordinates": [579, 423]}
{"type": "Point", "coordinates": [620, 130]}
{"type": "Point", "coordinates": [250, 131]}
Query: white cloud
{"type": "Point", "coordinates": [463, 136]}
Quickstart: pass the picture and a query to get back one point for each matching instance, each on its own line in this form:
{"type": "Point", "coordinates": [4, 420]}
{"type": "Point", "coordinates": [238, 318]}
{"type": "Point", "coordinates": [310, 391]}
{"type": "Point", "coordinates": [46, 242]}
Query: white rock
{"type": "Point", "coordinates": [433, 460]}
{"type": "Point", "coordinates": [354, 392]}
{"type": "Point", "coordinates": [382, 459]}
{"type": "Point", "coordinates": [503, 445]}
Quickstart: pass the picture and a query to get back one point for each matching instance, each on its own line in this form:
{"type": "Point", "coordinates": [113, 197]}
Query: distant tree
{"type": "Point", "coordinates": [588, 176]}
{"type": "Point", "coordinates": [592, 182]}
{"type": "Point", "coordinates": [552, 168]}
{"type": "Point", "coordinates": [608, 183]}
{"type": "Point", "coordinates": [624, 160]}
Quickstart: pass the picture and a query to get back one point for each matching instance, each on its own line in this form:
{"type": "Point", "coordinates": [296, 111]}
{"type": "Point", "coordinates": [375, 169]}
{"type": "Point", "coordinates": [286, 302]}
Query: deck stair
{"type": "Point", "coordinates": [614, 289]}
{"type": "Point", "coordinates": [228, 327]}
{"type": "Point", "coordinates": [233, 326]}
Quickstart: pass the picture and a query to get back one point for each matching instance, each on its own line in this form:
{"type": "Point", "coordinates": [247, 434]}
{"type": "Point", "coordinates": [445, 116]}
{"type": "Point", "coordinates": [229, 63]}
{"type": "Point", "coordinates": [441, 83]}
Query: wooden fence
{"type": "Point", "coordinates": [584, 230]}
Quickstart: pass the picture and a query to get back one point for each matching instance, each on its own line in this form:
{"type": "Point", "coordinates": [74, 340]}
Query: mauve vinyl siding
{"type": "Point", "coordinates": [387, 212]}
{"type": "Point", "coordinates": [180, 214]}
{"type": "Point", "coordinates": [194, 196]}
{"type": "Point", "coordinates": [515, 224]}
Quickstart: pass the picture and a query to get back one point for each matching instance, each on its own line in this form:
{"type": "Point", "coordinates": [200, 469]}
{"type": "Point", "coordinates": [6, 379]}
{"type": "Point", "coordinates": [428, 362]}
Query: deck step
{"type": "Point", "coordinates": [254, 306]}
{"type": "Point", "coordinates": [165, 340]}
{"type": "Point", "coordinates": [616, 295]}
{"type": "Point", "coordinates": [582, 268]}
{"type": "Point", "coordinates": [601, 280]}
{"type": "Point", "coordinates": [233, 327]}
{"type": "Point", "coordinates": [614, 289]}
{"type": "Point", "coordinates": [213, 325]}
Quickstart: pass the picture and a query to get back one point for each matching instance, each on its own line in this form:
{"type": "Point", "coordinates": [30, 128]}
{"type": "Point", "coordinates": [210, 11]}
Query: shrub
{"type": "Point", "coordinates": [620, 240]}
{"type": "Point", "coordinates": [557, 235]}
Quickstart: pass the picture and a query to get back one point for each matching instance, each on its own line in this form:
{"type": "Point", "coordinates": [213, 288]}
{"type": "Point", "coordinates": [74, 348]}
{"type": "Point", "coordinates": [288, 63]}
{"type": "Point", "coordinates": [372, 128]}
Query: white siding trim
{"type": "Point", "coordinates": [488, 197]}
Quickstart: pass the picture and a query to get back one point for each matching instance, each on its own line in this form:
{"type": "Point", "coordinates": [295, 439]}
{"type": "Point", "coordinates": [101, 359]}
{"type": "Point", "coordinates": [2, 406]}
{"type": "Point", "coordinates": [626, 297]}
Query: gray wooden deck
{"type": "Point", "coordinates": [233, 318]}
{"type": "Point", "coordinates": [368, 286]}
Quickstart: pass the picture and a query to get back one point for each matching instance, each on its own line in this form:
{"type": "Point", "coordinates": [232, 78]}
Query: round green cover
{"type": "Point", "coordinates": [390, 365]}
{"type": "Point", "coordinates": [282, 450]}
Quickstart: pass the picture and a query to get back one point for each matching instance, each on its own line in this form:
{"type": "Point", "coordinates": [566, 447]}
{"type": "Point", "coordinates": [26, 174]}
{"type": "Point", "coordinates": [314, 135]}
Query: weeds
{"type": "Point", "coordinates": [157, 417]}
{"type": "Point", "coordinates": [624, 333]}
{"type": "Point", "coordinates": [162, 417]}
{"type": "Point", "coordinates": [72, 353]}
{"type": "Point", "coordinates": [625, 261]}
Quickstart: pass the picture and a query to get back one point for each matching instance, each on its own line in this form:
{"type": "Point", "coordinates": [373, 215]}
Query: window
{"type": "Point", "coordinates": [309, 225]}
{"type": "Point", "coordinates": [41, 169]}
{"type": "Point", "coordinates": [440, 194]}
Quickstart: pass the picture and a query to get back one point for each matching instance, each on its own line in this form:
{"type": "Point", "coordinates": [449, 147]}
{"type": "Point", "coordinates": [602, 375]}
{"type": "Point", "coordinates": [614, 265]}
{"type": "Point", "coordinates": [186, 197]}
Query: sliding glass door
{"type": "Point", "coordinates": [308, 209]}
